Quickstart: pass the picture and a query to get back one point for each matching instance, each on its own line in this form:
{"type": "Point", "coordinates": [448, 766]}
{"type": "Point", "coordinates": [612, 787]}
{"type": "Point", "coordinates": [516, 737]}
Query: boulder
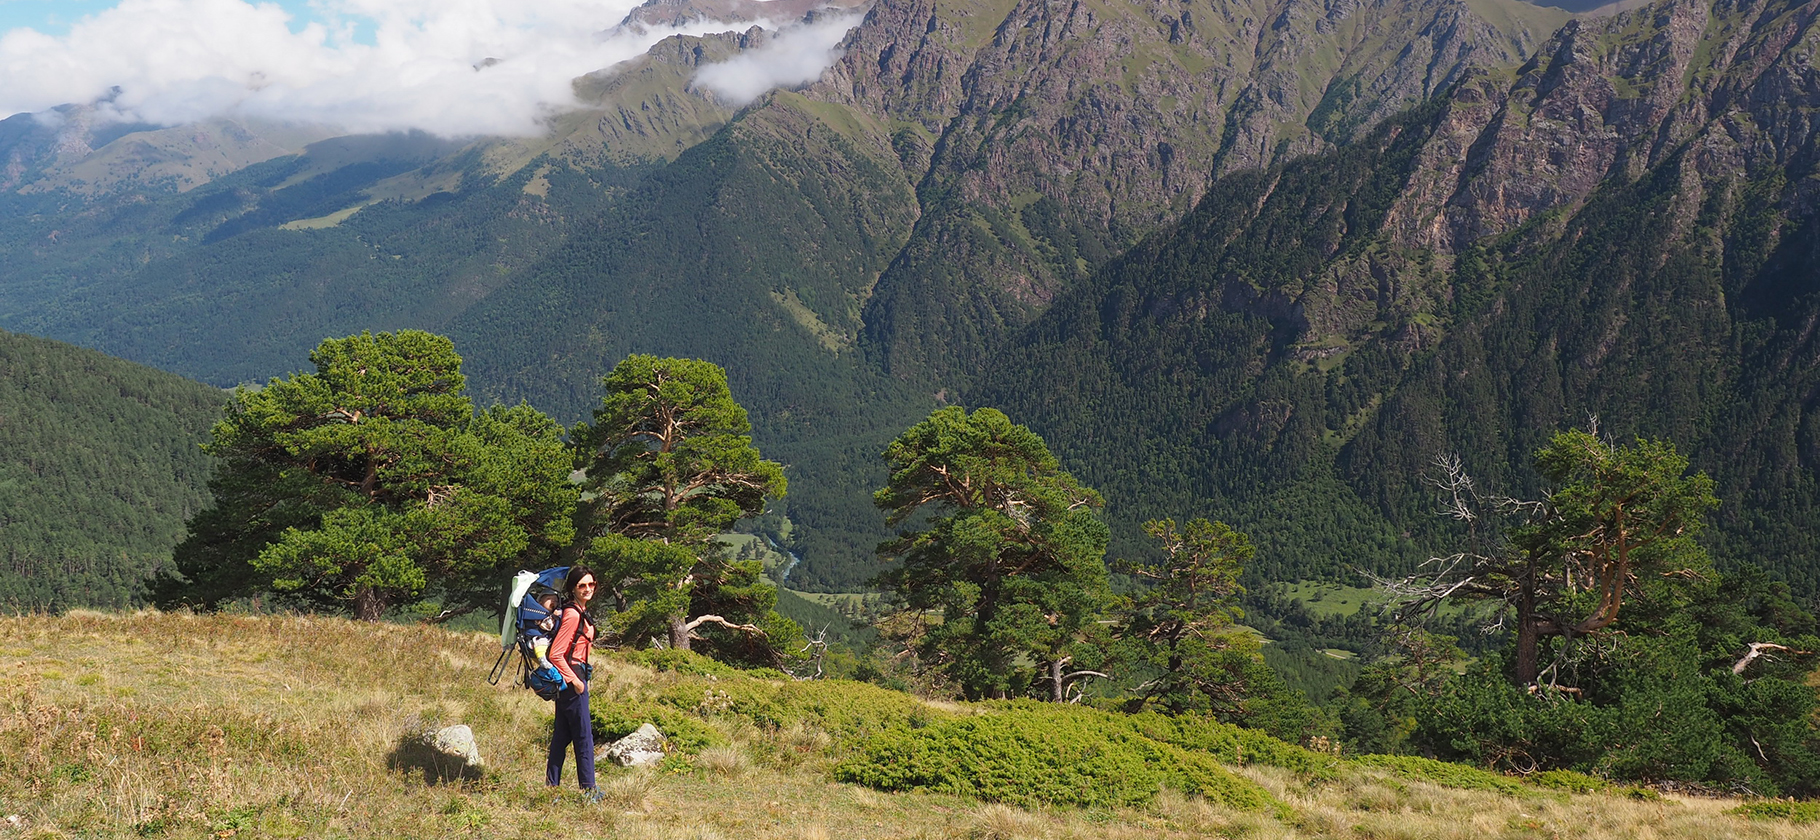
{"type": "Point", "coordinates": [458, 742]}
{"type": "Point", "coordinates": [443, 755]}
{"type": "Point", "coordinates": [642, 748]}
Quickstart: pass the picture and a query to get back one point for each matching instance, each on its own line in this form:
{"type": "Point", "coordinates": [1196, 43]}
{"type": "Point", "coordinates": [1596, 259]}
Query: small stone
{"type": "Point", "coordinates": [444, 755]}
{"type": "Point", "coordinates": [458, 742]}
{"type": "Point", "coordinates": [640, 749]}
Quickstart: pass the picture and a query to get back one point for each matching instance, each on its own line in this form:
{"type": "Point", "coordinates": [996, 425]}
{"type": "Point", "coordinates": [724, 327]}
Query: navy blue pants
{"type": "Point", "coordinates": [572, 727]}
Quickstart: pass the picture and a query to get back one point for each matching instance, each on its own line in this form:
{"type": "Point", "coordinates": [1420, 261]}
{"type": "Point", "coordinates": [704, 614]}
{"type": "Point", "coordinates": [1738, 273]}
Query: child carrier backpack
{"type": "Point", "coordinates": [533, 611]}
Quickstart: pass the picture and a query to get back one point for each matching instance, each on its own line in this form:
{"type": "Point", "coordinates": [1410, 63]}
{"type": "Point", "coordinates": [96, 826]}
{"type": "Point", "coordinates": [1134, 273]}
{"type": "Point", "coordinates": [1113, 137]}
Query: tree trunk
{"type": "Point", "coordinates": [1527, 664]}
{"type": "Point", "coordinates": [679, 632]}
{"type": "Point", "coordinates": [1529, 633]}
{"type": "Point", "coordinates": [368, 605]}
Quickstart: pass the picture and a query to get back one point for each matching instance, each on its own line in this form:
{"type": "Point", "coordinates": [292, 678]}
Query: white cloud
{"type": "Point", "coordinates": [176, 61]}
{"type": "Point", "coordinates": [795, 56]}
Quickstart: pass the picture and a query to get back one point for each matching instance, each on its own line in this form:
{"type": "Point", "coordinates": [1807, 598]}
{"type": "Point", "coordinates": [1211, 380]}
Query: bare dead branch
{"type": "Point", "coordinates": [445, 615]}
{"type": "Point", "coordinates": [715, 619]}
{"type": "Point", "coordinates": [1757, 649]}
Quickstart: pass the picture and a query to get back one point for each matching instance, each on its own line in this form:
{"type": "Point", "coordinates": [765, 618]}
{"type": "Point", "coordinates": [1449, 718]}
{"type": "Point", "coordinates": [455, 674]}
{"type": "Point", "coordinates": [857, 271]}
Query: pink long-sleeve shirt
{"type": "Point", "coordinates": [571, 646]}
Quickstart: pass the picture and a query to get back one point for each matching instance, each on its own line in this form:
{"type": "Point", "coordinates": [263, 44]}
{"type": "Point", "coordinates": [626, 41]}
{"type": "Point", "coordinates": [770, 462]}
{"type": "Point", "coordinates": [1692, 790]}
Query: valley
{"type": "Point", "coordinates": [1298, 395]}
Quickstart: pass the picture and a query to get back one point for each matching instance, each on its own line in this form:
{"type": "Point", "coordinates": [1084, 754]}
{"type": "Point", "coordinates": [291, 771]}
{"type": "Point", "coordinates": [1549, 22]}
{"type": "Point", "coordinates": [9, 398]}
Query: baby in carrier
{"type": "Point", "coordinates": [539, 610]}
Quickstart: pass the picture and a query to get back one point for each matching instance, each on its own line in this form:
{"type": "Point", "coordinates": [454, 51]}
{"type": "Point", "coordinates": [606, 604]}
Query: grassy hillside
{"type": "Point", "coordinates": [100, 465]}
{"type": "Point", "coordinates": [163, 725]}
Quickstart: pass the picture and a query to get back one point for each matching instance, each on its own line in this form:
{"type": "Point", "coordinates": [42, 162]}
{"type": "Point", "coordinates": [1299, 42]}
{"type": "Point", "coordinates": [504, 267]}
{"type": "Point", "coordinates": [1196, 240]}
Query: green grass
{"type": "Point", "coordinates": [320, 222]}
{"type": "Point", "coordinates": [165, 725]}
{"type": "Point", "coordinates": [1332, 599]}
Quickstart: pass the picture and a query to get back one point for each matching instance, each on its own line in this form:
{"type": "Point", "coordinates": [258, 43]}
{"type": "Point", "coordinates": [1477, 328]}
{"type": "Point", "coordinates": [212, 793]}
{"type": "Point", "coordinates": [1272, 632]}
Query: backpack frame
{"type": "Point", "coordinates": [533, 612]}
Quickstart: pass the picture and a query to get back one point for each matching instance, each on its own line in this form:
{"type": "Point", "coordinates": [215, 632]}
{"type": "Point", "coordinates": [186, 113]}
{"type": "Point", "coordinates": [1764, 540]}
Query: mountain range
{"type": "Point", "coordinates": [1261, 261]}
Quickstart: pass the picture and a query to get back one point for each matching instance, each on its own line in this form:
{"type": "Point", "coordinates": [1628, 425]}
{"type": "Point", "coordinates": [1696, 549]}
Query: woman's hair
{"type": "Point", "coordinates": [576, 573]}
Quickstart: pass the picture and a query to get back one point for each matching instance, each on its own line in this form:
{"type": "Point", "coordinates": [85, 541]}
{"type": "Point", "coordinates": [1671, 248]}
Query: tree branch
{"type": "Point", "coordinates": [445, 615]}
{"type": "Point", "coordinates": [715, 619]}
{"type": "Point", "coordinates": [1757, 649]}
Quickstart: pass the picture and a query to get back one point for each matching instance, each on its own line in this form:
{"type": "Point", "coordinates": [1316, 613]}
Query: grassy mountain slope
{"type": "Point", "coordinates": [179, 726]}
{"type": "Point", "coordinates": [1305, 344]}
{"type": "Point", "coordinates": [100, 466]}
{"type": "Point", "coordinates": [76, 149]}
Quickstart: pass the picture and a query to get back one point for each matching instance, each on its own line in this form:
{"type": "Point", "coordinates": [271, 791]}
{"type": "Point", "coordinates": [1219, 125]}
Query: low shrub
{"type": "Point", "coordinates": [845, 710]}
{"type": "Point", "coordinates": [1442, 773]}
{"type": "Point", "coordinates": [687, 663]}
{"type": "Point", "coordinates": [1233, 744]}
{"type": "Point", "coordinates": [841, 708]}
{"type": "Point", "coordinates": [1799, 813]}
{"type": "Point", "coordinates": [1031, 756]}
{"type": "Point", "coordinates": [688, 735]}
{"type": "Point", "coordinates": [1568, 780]}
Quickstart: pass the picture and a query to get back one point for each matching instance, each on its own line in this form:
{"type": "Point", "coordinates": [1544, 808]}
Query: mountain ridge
{"type": "Point", "coordinates": [1300, 332]}
{"type": "Point", "coordinates": [866, 248]}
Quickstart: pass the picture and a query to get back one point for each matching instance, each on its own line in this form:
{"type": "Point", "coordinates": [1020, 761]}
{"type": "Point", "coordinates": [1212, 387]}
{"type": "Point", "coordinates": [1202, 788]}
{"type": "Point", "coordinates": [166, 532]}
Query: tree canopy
{"type": "Point", "coordinates": [1182, 627]}
{"type": "Point", "coordinates": [1658, 666]}
{"type": "Point", "coordinates": [372, 483]}
{"type": "Point", "coordinates": [1010, 552]}
{"type": "Point", "coordinates": [99, 469]}
{"type": "Point", "coordinates": [669, 464]}
{"type": "Point", "coordinates": [1620, 522]}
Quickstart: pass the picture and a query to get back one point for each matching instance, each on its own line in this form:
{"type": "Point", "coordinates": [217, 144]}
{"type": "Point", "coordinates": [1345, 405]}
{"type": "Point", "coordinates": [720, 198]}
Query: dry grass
{"type": "Point", "coordinates": [168, 725]}
{"type": "Point", "coordinates": [730, 762]}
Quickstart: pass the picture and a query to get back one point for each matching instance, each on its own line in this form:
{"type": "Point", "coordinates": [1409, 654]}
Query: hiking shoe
{"type": "Point", "coordinates": [592, 795]}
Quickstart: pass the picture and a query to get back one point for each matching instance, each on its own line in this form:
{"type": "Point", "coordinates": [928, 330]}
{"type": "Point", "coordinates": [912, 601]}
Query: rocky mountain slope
{"type": "Point", "coordinates": [1625, 227]}
{"type": "Point", "coordinates": [1046, 138]}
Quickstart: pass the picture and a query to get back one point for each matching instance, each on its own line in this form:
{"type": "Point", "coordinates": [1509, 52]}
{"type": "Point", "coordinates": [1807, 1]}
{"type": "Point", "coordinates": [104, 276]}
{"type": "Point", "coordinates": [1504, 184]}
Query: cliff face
{"type": "Point", "coordinates": [1047, 137]}
{"type": "Point", "coordinates": [1726, 84]}
{"type": "Point", "coordinates": [1625, 227]}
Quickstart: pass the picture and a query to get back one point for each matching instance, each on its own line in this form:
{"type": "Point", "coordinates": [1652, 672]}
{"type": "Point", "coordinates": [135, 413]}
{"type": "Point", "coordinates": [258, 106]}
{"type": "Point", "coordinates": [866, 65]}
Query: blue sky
{"type": "Point", "coordinates": [53, 17]}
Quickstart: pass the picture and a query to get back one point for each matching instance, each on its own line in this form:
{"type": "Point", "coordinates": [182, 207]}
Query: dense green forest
{"type": "Point", "coordinates": [100, 467]}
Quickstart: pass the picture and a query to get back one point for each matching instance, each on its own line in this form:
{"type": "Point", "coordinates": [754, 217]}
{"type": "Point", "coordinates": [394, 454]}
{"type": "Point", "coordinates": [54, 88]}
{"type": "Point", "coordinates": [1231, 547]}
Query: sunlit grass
{"type": "Point", "coordinates": [168, 725]}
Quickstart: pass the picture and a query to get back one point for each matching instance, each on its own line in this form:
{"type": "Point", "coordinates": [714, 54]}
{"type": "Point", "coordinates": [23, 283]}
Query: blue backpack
{"type": "Point", "coordinates": [533, 612]}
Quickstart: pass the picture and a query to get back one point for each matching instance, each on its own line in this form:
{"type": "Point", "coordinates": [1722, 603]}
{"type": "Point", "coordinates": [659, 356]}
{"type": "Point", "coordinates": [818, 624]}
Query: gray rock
{"type": "Point", "coordinates": [642, 748]}
{"type": "Point", "coordinates": [458, 742]}
{"type": "Point", "coordinates": [443, 755]}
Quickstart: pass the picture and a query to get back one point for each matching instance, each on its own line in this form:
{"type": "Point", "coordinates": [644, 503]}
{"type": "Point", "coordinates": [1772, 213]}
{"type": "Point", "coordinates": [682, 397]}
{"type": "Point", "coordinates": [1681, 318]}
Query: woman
{"type": "Point", "coordinates": [569, 653]}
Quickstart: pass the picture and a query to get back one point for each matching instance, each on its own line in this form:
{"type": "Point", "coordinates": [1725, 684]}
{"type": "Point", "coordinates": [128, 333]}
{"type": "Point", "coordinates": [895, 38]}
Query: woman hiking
{"type": "Point", "coordinates": [569, 653]}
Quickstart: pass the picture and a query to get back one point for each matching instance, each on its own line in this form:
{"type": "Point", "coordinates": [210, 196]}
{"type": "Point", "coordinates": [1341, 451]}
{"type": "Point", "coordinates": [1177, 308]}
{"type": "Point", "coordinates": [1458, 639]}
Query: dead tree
{"type": "Point", "coordinates": [1619, 518]}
